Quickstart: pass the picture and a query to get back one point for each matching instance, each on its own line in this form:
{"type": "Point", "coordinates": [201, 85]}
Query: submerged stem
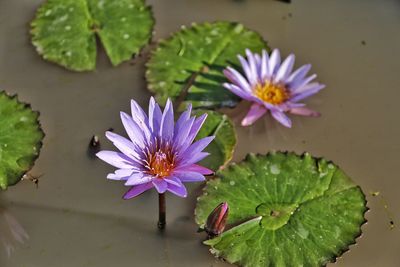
{"type": "Point", "coordinates": [161, 211]}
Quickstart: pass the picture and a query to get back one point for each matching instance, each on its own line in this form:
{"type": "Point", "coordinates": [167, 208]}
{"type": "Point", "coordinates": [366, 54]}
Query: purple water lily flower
{"type": "Point", "coordinates": [272, 86]}
{"type": "Point", "coordinates": [160, 153]}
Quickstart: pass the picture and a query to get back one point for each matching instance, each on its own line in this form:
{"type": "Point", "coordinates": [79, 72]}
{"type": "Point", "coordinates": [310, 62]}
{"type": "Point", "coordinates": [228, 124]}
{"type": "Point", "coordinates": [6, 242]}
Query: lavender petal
{"type": "Point", "coordinates": [247, 71]}
{"type": "Point", "coordinates": [285, 69]}
{"type": "Point", "coordinates": [138, 178]}
{"type": "Point", "coordinates": [264, 66]}
{"type": "Point", "coordinates": [307, 91]}
{"type": "Point", "coordinates": [189, 176]}
{"type": "Point", "coordinates": [140, 118]}
{"type": "Point", "coordinates": [183, 118]}
{"type": "Point", "coordinates": [137, 190]}
{"type": "Point", "coordinates": [167, 122]}
{"type": "Point", "coordinates": [155, 115]}
{"type": "Point", "coordinates": [196, 158]}
{"type": "Point", "coordinates": [182, 134]}
{"type": "Point", "coordinates": [274, 62]}
{"type": "Point", "coordinates": [256, 111]}
{"type": "Point", "coordinates": [160, 185]}
{"type": "Point", "coordinates": [290, 105]}
{"type": "Point", "coordinates": [282, 118]}
{"type": "Point", "coordinates": [197, 124]}
{"type": "Point", "coordinates": [116, 159]}
{"type": "Point", "coordinates": [257, 58]}
{"type": "Point", "coordinates": [134, 132]}
{"type": "Point", "coordinates": [303, 111]}
{"type": "Point", "coordinates": [237, 91]}
{"type": "Point", "coordinates": [298, 75]}
{"type": "Point", "coordinates": [173, 180]}
{"type": "Point", "coordinates": [137, 111]}
{"type": "Point", "coordinates": [294, 87]}
{"type": "Point", "coordinates": [196, 147]}
{"type": "Point", "coordinates": [235, 77]}
{"type": "Point", "coordinates": [123, 144]}
{"type": "Point", "coordinates": [177, 190]}
{"type": "Point", "coordinates": [196, 168]}
{"type": "Point", "coordinates": [120, 174]}
{"type": "Point", "coordinates": [253, 67]}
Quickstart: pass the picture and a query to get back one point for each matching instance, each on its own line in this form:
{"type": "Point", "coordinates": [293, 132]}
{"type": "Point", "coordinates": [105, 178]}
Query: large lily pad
{"type": "Point", "coordinates": [20, 139]}
{"type": "Point", "coordinates": [190, 63]}
{"type": "Point", "coordinates": [64, 31]}
{"type": "Point", "coordinates": [222, 147]}
{"type": "Point", "coordinates": [289, 210]}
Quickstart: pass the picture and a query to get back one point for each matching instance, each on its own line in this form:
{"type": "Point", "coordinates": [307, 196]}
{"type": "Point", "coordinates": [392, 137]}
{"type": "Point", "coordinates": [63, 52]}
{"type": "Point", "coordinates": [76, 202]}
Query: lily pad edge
{"type": "Point", "coordinates": [40, 128]}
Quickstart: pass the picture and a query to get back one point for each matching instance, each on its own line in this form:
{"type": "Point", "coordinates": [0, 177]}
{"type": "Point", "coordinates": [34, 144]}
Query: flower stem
{"type": "Point", "coordinates": [161, 211]}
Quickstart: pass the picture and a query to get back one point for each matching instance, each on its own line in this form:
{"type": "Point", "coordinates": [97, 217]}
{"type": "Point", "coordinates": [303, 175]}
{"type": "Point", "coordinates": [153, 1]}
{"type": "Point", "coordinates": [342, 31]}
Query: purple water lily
{"type": "Point", "coordinates": [160, 153]}
{"type": "Point", "coordinates": [272, 86]}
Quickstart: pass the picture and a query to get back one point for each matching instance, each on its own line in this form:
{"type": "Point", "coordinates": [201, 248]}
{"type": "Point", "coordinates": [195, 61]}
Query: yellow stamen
{"type": "Point", "coordinates": [161, 163]}
{"type": "Point", "coordinates": [272, 93]}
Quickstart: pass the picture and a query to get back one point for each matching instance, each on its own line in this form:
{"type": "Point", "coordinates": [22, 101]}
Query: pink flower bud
{"type": "Point", "coordinates": [216, 221]}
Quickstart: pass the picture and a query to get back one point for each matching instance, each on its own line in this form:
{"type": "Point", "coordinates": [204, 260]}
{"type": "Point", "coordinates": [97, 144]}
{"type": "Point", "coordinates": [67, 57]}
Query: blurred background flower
{"type": "Point", "coordinates": [272, 86]}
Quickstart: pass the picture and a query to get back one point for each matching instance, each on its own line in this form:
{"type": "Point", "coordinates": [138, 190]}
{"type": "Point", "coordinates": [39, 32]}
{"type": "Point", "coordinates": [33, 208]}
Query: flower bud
{"type": "Point", "coordinates": [216, 221]}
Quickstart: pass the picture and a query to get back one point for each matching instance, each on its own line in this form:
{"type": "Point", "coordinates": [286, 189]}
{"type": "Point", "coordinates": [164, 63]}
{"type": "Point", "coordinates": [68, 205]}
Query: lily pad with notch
{"type": "Point", "coordinates": [20, 139]}
{"type": "Point", "coordinates": [285, 209]}
{"type": "Point", "coordinates": [64, 31]}
{"type": "Point", "coordinates": [222, 147]}
{"type": "Point", "coordinates": [188, 65]}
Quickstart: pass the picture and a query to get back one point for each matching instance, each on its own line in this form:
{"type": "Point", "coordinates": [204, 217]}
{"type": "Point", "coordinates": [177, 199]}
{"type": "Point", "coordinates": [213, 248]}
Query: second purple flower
{"type": "Point", "coordinates": [272, 86]}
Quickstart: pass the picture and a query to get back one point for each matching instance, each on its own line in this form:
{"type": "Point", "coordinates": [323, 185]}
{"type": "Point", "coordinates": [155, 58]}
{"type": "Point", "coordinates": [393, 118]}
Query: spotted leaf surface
{"type": "Point", "coordinates": [20, 139]}
{"type": "Point", "coordinates": [289, 210]}
{"type": "Point", "coordinates": [222, 147]}
{"type": "Point", "coordinates": [64, 31]}
{"type": "Point", "coordinates": [190, 63]}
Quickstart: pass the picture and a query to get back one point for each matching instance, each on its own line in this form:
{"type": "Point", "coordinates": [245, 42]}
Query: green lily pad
{"type": "Point", "coordinates": [20, 139]}
{"type": "Point", "coordinates": [222, 147]}
{"type": "Point", "coordinates": [190, 63]}
{"type": "Point", "coordinates": [289, 210]}
{"type": "Point", "coordinates": [64, 31]}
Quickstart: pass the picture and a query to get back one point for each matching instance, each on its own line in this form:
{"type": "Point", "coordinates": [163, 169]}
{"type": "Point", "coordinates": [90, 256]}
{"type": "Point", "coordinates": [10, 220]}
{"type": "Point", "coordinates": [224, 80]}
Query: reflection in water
{"type": "Point", "coordinates": [12, 234]}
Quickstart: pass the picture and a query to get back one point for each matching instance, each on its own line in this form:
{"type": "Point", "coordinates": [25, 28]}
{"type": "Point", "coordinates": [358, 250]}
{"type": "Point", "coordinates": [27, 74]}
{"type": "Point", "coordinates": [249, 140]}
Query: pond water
{"type": "Point", "coordinates": [77, 218]}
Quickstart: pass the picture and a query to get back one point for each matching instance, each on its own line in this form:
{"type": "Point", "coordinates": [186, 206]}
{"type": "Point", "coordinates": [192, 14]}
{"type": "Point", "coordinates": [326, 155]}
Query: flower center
{"type": "Point", "coordinates": [272, 93]}
{"type": "Point", "coordinates": [161, 163]}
